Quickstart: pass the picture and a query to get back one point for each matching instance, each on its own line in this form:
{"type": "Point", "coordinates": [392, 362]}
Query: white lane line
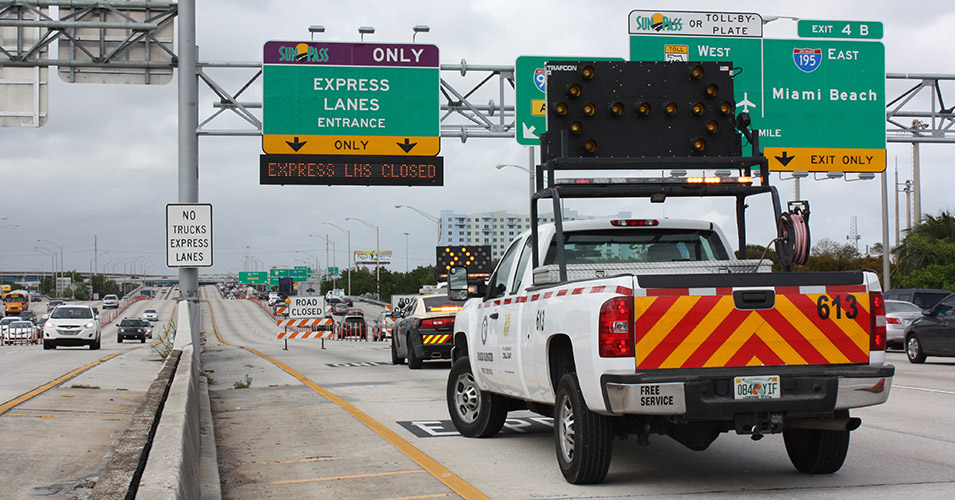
{"type": "Point", "coordinates": [923, 389]}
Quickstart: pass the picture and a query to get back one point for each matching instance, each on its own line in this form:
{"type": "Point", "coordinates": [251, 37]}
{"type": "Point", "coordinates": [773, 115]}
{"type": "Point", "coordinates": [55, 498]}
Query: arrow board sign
{"type": "Point", "coordinates": [189, 235]}
{"type": "Point", "coordinates": [306, 307]}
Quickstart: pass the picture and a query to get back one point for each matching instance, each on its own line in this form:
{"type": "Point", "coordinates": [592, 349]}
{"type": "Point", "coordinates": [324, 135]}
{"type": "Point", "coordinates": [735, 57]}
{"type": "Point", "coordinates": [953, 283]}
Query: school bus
{"type": "Point", "coordinates": [16, 302]}
{"type": "Point", "coordinates": [4, 290]}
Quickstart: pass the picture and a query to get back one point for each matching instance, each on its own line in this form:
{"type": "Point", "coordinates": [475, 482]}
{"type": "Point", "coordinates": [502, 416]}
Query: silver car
{"type": "Point", "coordinates": [899, 314]}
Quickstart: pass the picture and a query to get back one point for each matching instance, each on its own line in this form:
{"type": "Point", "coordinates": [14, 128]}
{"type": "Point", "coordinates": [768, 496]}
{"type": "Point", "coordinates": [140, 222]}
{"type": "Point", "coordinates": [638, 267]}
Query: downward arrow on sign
{"type": "Point", "coordinates": [296, 145]}
{"type": "Point", "coordinates": [407, 146]}
{"type": "Point", "coordinates": [785, 159]}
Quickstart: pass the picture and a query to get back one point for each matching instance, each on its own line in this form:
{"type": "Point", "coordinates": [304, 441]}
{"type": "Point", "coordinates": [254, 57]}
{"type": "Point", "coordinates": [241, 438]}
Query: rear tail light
{"type": "Point", "coordinates": [436, 322]}
{"type": "Point", "coordinates": [616, 329]}
{"type": "Point", "coordinates": [892, 321]}
{"type": "Point", "coordinates": [876, 322]}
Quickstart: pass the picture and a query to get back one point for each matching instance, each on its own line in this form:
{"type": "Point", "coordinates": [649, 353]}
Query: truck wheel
{"type": "Point", "coordinates": [815, 451]}
{"type": "Point", "coordinates": [913, 349]}
{"type": "Point", "coordinates": [413, 361]}
{"type": "Point", "coordinates": [584, 438]}
{"type": "Point", "coordinates": [395, 360]}
{"type": "Point", "coordinates": [474, 413]}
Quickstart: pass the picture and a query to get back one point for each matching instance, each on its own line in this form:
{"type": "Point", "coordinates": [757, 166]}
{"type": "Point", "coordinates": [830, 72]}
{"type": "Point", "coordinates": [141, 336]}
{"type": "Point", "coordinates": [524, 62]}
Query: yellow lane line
{"type": "Point", "coordinates": [440, 472]}
{"type": "Point", "coordinates": [5, 407]}
{"type": "Point", "coordinates": [29, 415]}
{"type": "Point", "coordinates": [111, 418]}
{"type": "Point", "coordinates": [339, 478]}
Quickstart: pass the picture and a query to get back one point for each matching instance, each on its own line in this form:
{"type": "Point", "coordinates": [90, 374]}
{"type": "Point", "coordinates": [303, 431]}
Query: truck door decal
{"type": "Point", "coordinates": [692, 331]}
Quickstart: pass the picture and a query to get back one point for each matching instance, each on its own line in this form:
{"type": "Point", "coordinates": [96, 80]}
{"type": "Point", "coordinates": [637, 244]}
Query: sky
{"type": "Point", "coordinates": [104, 166]}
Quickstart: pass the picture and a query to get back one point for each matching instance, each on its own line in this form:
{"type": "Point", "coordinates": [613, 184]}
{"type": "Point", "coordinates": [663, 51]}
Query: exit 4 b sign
{"type": "Point", "coordinates": [322, 98]}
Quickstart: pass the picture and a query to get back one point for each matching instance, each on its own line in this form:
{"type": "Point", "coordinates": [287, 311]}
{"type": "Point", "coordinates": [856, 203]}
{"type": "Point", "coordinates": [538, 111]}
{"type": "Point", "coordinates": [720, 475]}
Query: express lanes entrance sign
{"type": "Point", "coordinates": [323, 98]}
{"type": "Point", "coordinates": [819, 105]}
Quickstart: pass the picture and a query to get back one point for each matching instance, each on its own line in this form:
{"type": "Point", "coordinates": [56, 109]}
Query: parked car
{"type": "Point", "coordinates": [424, 331]}
{"type": "Point", "coordinates": [131, 328]}
{"type": "Point", "coordinates": [925, 298]}
{"type": "Point", "coordinates": [72, 325]}
{"type": "Point", "coordinates": [110, 302]}
{"type": "Point", "coordinates": [20, 332]}
{"type": "Point", "coordinates": [933, 334]}
{"type": "Point", "coordinates": [898, 316]}
{"type": "Point", "coordinates": [150, 315]}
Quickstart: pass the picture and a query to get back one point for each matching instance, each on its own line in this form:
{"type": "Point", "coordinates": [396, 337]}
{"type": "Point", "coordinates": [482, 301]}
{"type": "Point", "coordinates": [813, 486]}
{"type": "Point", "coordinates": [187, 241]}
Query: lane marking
{"type": "Point", "coordinates": [339, 478]}
{"type": "Point", "coordinates": [440, 472]}
{"type": "Point", "coordinates": [422, 497]}
{"type": "Point", "coordinates": [29, 415]}
{"type": "Point", "coordinates": [5, 407]}
{"type": "Point", "coordinates": [111, 418]}
{"type": "Point", "coordinates": [923, 389]}
{"type": "Point", "coordinates": [299, 461]}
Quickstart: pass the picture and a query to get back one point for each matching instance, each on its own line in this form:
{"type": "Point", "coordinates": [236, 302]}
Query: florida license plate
{"type": "Point", "coordinates": [761, 387]}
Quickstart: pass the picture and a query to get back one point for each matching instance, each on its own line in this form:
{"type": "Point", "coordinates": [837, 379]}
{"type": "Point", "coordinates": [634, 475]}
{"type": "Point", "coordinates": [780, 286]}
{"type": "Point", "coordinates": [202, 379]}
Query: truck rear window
{"type": "Point", "coordinates": [657, 245]}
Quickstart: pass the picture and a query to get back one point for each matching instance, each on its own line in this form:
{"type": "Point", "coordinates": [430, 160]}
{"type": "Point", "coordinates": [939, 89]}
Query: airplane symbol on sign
{"type": "Point", "coordinates": [745, 103]}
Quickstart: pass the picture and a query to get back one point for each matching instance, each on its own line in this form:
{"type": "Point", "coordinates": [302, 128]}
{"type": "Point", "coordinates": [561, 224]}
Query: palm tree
{"type": "Point", "coordinates": [929, 243]}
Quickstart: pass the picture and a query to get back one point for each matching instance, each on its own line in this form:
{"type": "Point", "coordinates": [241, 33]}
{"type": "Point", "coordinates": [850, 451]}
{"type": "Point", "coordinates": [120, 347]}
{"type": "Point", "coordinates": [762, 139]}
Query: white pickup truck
{"type": "Point", "coordinates": [658, 329]}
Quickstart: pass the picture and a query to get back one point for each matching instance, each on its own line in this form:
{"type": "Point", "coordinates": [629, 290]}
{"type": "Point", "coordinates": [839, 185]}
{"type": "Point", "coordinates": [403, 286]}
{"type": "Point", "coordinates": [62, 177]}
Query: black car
{"type": "Point", "coordinates": [28, 316]}
{"type": "Point", "coordinates": [926, 298]}
{"type": "Point", "coordinates": [424, 331]}
{"type": "Point", "coordinates": [354, 328]}
{"type": "Point", "coordinates": [933, 334]}
{"type": "Point", "coordinates": [340, 309]}
{"type": "Point", "coordinates": [132, 328]}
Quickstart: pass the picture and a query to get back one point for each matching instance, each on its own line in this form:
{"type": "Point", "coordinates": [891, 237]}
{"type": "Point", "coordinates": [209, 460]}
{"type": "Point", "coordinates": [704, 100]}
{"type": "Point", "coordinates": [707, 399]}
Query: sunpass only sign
{"type": "Point", "coordinates": [326, 98]}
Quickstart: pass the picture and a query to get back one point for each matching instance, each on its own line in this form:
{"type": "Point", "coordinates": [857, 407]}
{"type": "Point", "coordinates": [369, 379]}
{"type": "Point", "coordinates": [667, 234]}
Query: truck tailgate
{"type": "Point", "coordinates": [702, 321]}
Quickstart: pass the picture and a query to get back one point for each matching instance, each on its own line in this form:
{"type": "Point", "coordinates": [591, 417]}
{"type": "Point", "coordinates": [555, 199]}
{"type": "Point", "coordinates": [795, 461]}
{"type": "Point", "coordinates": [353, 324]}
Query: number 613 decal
{"type": "Point", "coordinates": [839, 305]}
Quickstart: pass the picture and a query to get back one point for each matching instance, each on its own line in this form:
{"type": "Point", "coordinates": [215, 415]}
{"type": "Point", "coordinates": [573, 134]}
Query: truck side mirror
{"type": "Point", "coordinates": [458, 283]}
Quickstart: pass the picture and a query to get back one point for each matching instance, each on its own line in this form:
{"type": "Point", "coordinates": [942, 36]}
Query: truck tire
{"type": "Point", "coordinates": [395, 360]}
{"type": "Point", "coordinates": [913, 350]}
{"type": "Point", "coordinates": [584, 439]}
{"type": "Point", "coordinates": [414, 362]}
{"type": "Point", "coordinates": [815, 451]}
{"type": "Point", "coordinates": [474, 413]}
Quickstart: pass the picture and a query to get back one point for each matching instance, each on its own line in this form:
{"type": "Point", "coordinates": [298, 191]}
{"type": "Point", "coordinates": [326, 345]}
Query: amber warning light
{"type": "Point", "coordinates": [342, 170]}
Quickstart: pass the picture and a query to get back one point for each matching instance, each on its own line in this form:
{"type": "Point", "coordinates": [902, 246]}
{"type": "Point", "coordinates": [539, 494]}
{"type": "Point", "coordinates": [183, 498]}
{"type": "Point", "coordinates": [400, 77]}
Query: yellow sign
{"type": "Point", "coordinates": [538, 107]}
{"type": "Point", "coordinates": [825, 159]}
{"type": "Point", "coordinates": [274, 144]}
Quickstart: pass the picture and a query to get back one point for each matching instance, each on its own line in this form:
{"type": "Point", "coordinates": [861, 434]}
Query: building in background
{"type": "Point", "coordinates": [496, 229]}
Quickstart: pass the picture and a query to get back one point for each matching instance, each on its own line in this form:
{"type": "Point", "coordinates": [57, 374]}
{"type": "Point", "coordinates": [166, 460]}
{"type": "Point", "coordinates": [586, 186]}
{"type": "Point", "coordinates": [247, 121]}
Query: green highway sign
{"type": "Point", "coordinates": [818, 104]}
{"type": "Point", "coordinates": [322, 98]}
{"type": "Point", "coordinates": [254, 278]}
{"type": "Point", "coordinates": [530, 77]}
{"type": "Point", "coordinates": [333, 271]}
{"type": "Point", "coordinates": [839, 29]}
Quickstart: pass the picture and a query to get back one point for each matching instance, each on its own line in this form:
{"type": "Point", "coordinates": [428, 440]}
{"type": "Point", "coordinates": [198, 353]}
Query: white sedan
{"type": "Point", "coordinates": [150, 315]}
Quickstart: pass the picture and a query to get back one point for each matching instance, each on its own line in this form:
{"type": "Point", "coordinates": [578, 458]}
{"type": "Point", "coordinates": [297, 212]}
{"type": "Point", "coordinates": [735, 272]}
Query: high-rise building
{"type": "Point", "coordinates": [497, 229]}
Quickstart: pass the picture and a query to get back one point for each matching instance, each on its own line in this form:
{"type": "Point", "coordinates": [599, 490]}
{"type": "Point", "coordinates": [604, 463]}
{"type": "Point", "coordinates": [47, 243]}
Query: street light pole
{"type": "Point", "coordinates": [349, 256]}
{"type": "Point", "coordinates": [407, 269]}
{"type": "Point", "coordinates": [377, 255]}
{"type": "Point", "coordinates": [430, 217]}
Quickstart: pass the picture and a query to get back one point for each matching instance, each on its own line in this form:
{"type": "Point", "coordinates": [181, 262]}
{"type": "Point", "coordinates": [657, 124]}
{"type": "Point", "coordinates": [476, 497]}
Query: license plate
{"type": "Point", "coordinates": [761, 387]}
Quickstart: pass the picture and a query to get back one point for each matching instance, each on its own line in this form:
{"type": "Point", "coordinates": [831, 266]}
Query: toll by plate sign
{"type": "Point", "coordinates": [306, 307]}
{"type": "Point", "coordinates": [189, 235]}
{"type": "Point", "coordinates": [324, 98]}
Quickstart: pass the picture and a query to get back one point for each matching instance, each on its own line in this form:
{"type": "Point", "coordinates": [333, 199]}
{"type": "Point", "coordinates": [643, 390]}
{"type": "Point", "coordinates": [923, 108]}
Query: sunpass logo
{"type": "Point", "coordinates": [303, 52]}
{"type": "Point", "coordinates": [659, 22]}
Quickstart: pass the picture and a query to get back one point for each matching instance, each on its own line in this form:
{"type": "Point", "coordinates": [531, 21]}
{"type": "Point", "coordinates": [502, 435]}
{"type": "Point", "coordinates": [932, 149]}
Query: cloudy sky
{"type": "Point", "coordinates": [105, 164]}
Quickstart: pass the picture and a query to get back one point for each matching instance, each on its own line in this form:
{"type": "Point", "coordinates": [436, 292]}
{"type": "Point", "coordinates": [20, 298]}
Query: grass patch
{"type": "Point", "coordinates": [83, 386]}
{"type": "Point", "coordinates": [209, 379]}
{"type": "Point", "coordinates": [238, 384]}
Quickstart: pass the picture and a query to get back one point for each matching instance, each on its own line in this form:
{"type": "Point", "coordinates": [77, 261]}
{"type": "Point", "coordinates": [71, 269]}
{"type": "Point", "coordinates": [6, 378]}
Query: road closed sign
{"type": "Point", "coordinates": [189, 235]}
{"type": "Point", "coordinates": [306, 307]}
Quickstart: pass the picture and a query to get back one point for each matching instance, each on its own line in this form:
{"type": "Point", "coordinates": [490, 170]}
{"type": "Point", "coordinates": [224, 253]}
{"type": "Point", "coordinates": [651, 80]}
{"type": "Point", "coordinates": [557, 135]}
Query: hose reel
{"type": "Point", "coordinates": [793, 245]}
